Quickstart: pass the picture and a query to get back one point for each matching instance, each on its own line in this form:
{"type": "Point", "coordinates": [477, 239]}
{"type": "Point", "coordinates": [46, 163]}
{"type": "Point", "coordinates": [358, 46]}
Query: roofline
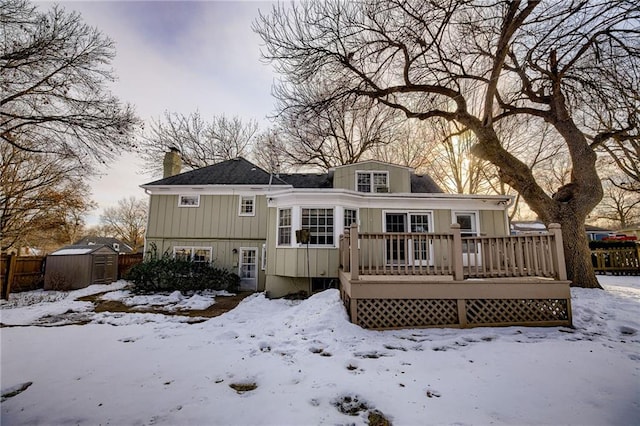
{"type": "Point", "coordinates": [315, 191]}
{"type": "Point", "coordinates": [182, 189]}
{"type": "Point", "coordinates": [373, 161]}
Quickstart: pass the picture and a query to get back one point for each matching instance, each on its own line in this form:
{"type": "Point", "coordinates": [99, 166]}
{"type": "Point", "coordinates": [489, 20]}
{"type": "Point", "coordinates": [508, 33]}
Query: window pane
{"type": "Point", "coordinates": [364, 182]}
{"type": "Point", "coordinates": [284, 227]}
{"type": "Point", "coordinates": [319, 222]}
{"type": "Point", "coordinates": [350, 217]}
{"type": "Point", "coordinates": [246, 205]}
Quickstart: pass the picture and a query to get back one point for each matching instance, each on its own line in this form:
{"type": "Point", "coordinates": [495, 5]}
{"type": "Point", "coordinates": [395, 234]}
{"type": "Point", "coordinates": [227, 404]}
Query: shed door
{"type": "Point", "coordinates": [103, 266]}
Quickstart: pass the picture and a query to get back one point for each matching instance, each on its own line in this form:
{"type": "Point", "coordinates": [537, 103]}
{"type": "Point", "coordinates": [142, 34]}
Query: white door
{"type": "Point", "coordinates": [468, 221]}
{"type": "Point", "coordinates": [421, 249]}
{"type": "Point", "coordinates": [248, 268]}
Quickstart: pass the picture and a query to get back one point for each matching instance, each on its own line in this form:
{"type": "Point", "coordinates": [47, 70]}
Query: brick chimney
{"type": "Point", "coordinates": [172, 162]}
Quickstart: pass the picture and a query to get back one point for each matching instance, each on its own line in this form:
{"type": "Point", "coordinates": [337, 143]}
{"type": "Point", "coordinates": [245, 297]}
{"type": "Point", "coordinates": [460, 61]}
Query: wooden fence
{"type": "Point", "coordinates": [622, 261]}
{"type": "Point", "coordinates": [127, 261]}
{"type": "Point", "coordinates": [21, 273]}
{"type": "Point", "coordinates": [24, 273]}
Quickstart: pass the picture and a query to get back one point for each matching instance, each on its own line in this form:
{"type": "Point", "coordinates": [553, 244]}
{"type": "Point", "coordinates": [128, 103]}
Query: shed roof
{"type": "Point", "coordinates": [78, 249]}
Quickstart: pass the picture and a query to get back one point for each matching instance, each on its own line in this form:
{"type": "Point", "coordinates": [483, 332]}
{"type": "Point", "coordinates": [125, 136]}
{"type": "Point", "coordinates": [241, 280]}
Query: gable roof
{"type": "Point", "coordinates": [107, 241]}
{"type": "Point", "coordinates": [237, 171]}
{"type": "Point", "coordinates": [78, 249]}
{"type": "Point", "coordinates": [240, 171]}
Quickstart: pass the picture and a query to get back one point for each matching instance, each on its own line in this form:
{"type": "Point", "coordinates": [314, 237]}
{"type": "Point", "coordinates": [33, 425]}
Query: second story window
{"type": "Point", "coordinates": [247, 205]}
{"type": "Point", "coordinates": [372, 181]}
{"type": "Point", "coordinates": [188, 200]}
{"type": "Point", "coordinates": [284, 227]}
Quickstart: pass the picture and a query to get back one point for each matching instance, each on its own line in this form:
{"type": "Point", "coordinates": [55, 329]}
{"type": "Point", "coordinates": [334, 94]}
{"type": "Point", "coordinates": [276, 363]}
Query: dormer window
{"type": "Point", "coordinates": [376, 181]}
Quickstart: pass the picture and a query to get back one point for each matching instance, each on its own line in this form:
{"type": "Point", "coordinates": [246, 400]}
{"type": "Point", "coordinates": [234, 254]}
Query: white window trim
{"type": "Point", "coordinates": [180, 204]}
{"type": "Point", "coordinates": [253, 210]}
{"type": "Point", "coordinates": [476, 213]}
{"type": "Point", "coordinates": [335, 228]}
{"type": "Point", "coordinates": [291, 226]}
{"type": "Point", "coordinates": [372, 188]}
{"type": "Point", "coordinates": [408, 213]}
{"type": "Point", "coordinates": [263, 259]}
{"type": "Point", "coordinates": [192, 248]}
{"type": "Point", "coordinates": [344, 215]}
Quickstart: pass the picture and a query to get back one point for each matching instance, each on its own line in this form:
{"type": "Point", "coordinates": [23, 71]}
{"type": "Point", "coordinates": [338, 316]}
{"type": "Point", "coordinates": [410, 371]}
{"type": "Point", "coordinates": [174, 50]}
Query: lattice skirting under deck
{"type": "Point", "coordinates": [399, 313]}
{"type": "Point", "coordinates": [406, 313]}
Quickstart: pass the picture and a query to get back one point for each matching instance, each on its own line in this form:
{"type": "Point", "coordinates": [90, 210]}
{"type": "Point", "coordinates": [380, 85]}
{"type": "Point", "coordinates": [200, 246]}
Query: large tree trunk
{"type": "Point", "coordinates": [576, 252]}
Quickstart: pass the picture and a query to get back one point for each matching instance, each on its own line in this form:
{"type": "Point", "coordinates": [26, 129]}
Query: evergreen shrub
{"type": "Point", "coordinates": [166, 274]}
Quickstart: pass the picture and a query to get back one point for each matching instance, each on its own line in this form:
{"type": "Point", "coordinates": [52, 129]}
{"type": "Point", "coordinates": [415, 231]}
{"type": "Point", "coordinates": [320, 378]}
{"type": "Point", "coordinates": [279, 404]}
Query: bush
{"type": "Point", "coordinates": [164, 273]}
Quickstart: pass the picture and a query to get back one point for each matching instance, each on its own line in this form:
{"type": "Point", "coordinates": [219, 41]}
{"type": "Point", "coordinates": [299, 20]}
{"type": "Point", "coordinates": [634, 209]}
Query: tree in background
{"type": "Point", "coordinates": [127, 221]}
{"type": "Point", "coordinates": [574, 66]}
{"type": "Point", "coordinates": [43, 199]}
{"type": "Point", "coordinates": [201, 143]}
{"type": "Point", "coordinates": [619, 208]}
{"type": "Point", "coordinates": [53, 97]}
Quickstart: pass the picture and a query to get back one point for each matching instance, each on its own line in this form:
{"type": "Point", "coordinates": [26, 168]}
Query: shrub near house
{"type": "Point", "coordinates": [167, 273]}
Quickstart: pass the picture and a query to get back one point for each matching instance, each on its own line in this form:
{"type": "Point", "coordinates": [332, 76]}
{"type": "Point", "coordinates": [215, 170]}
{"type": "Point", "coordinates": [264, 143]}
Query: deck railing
{"type": "Point", "coordinates": [396, 253]}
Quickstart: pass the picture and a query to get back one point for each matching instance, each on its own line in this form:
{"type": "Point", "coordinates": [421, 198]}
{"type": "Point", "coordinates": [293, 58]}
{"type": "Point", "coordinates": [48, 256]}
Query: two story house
{"type": "Point", "coordinates": [280, 232]}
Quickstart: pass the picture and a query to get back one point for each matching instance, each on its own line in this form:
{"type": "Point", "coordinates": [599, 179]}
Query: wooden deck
{"type": "Point", "coordinates": [402, 281]}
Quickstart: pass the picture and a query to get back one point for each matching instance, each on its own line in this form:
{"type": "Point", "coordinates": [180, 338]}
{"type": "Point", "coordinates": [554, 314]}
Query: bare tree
{"type": "Point", "coordinates": [53, 96]}
{"type": "Point", "coordinates": [43, 199]}
{"type": "Point", "coordinates": [560, 63]}
{"type": "Point", "coordinates": [339, 133]}
{"type": "Point", "coordinates": [201, 143]}
{"type": "Point", "coordinates": [619, 208]}
{"type": "Point", "coordinates": [127, 221]}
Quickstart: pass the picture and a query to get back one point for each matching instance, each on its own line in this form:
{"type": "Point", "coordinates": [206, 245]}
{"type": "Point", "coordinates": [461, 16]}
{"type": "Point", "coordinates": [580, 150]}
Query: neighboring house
{"type": "Point", "coordinates": [240, 217]}
{"type": "Point", "coordinates": [534, 227]}
{"type": "Point", "coordinates": [116, 244]}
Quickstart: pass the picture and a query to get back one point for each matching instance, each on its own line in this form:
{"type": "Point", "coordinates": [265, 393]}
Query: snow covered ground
{"type": "Point", "coordinates": [307, 361]}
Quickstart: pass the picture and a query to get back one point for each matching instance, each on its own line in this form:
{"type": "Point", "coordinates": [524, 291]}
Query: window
{"type": "Point", "coordinates": [321, 284]}
{"type": "Point", "coordinates": [467, 222]}
{"type": "Point", "coordinates": [372, 181]}
{"type": "Point", "coordinates": [468, 228]}
{"type": "Point", "coordinates": [247, 205]}
{"type": "Point", "coordinates": [264, 257]}
{"type": "Point", "coordinates": [350, 217]}
{"type": "Point", "coordinates": [319, 222]}
{"type": "Point", "coordinates": [284, 227]}
{"type": "Point", "coordinates": [195, 254]}
{"type": "Point", "coordinates": [188, 200]}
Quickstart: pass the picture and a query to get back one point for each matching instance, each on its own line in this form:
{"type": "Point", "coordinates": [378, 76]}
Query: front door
{"type": "Point", "coordinates": [248, 268]}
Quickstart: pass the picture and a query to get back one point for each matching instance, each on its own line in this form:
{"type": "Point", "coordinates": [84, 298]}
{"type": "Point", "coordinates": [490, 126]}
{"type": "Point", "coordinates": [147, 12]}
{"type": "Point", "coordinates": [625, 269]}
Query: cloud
{"type": "Point", "coordinates": [178, 57]}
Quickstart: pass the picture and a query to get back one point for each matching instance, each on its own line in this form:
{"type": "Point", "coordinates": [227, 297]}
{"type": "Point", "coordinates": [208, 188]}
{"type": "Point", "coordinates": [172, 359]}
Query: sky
{"type": "Point", "coordinates": [307, 361]}
{"type": "Point", "coordinates": [180, 57]}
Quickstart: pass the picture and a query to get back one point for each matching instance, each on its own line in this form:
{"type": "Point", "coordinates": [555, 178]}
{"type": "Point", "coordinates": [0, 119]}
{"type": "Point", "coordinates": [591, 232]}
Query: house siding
{"type": "Point", "coordinates": [216, 217]}
{"type": "Point", "coordinates": [222, 255]}
{"type": "Point", "coordinates": [399, 177]}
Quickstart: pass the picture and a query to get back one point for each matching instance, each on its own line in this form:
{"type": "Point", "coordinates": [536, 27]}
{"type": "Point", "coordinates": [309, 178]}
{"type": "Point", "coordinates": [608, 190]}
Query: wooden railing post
{"type": "Point", "coordinates": [353, 251]}
{"type": "Point", "coordinates": [456, 255]}
{"type": "Point", "coordinates": [558, 251]}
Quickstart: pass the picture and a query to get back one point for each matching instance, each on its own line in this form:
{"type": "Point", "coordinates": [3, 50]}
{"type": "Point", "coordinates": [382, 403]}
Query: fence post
{"type": "Point", "coordinates": [557, 251]}
{"type": "Point", "coordinates": [8, 277]}
{"type": "Point", "coordinates": [353, 251]}
{"type": "Point", "coordinates": [456, 256]}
